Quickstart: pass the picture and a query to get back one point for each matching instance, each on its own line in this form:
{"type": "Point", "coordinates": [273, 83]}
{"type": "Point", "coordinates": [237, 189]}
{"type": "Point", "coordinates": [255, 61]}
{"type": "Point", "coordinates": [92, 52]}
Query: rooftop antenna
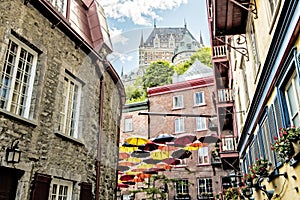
{"type": "Point", "coordinates": [184, 23]}
{"type": "Point", "coordinates": [154, 23]}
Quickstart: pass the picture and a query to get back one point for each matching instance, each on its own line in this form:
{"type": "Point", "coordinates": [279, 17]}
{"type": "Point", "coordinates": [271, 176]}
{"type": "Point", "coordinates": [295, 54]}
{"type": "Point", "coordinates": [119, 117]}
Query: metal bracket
{"type": "Point", "coordinates": [26, 2]}
{"type": "Point", "coordinates": [251, 7]}
{"type": "Point", "coordinates": [241, 50]}
{"type": "Point", "coordinates": [55, 25]}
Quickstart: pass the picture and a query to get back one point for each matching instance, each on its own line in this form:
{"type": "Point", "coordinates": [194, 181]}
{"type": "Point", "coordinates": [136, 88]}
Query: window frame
{"type": "Point", "coordinates": [27, 105]}
{"type": "Point", "coordinates": [65, 11]}
{"type": "Point", "coordinates": [205, 188]}
{"type": "Point", "coordinates": [200, 121]}
{"type": "Point", "coordinates": [179, 123]}
{"type": "Point", "coordinates": [203, 156]}
{"type": "Point", "coordinates": [195, 98]}
{"type": "Point", "coordinates": [177, 105]}
{"type": "Point", "coordinates": [64, 109]}
{"type": "Point", "coordinates": [184, 188]}
{"type": "Point", "coordinates": [126, 129]}
{"type": "Point", "coordinates": [60, 182]}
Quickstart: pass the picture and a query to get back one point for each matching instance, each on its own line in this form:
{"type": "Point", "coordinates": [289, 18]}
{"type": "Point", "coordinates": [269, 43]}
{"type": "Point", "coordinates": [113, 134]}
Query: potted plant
{"type": "Point", "coordinates": [288, 143]}
{"type": "Point", "coordinates": [261, 167]}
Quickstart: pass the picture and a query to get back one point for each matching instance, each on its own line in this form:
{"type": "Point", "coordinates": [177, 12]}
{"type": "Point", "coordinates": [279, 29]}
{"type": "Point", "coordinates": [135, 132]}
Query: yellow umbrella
{"type": "Point", "coordinates": [136, 140]}
{"type": "Point", "coordinates": [194, 146]}
{"type": "Point", "coordinates": [132, 173]}
{"type": "Point", "coordinates": [159, 155]}
{"type": "Point", "coordinates": [145, 166]}
{"type": "Point", "coordinates": [127, 149]}
{"type": "Point", "coordinates": [133, 159]}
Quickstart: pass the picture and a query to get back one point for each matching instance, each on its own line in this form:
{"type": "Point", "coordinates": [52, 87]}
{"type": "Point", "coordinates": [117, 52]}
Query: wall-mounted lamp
{"type": "Point", "coordinates": [13, 154]}
{"type": "Point", "coordinates": [269, 193]}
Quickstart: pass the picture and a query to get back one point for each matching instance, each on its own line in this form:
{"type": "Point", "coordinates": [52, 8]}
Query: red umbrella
{"type": "Point", "coordinates": [127, 163]}
{"type": "Point", "coordinates": [127, 177]}
{"type": "Point", "coordinates": [150, 146]}
{"type": "Point", "coordinates": [172, 161]}
{"type": "Point", "coordinates": [163, 166]}
{"type": "Point", "coordinates": [138, 179]}
{"type": "Point", "coordinates": [213, 138]}
{"type": "Point", "coordinates": [151, 161]}
{"type": "Point", "coordinates": [183, 140]}
{"type": "Point", "coordinates": [122, 185]}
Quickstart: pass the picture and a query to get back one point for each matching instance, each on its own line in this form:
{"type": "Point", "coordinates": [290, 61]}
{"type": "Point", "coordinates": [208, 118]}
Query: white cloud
{"type": "Point", "coordinates": [117, 37]}
{"type": "Point", "coordinates": [142, 12]}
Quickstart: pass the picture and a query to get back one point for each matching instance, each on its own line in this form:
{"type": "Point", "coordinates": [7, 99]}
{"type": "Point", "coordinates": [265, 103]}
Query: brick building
{"type": "Point", "coordinates": [60, 101]}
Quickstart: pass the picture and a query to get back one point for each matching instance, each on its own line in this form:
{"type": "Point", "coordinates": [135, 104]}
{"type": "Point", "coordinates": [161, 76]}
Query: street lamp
{"type": "Point", "coordinates": [13, 154]}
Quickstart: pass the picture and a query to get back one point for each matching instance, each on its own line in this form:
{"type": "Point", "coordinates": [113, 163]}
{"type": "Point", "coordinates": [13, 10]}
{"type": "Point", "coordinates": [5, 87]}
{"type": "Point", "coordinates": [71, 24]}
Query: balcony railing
{"type": "Point", "coordinates": [219, 51]}
{"type": "Point", "coordinates": [228, 144]}
{"type": "Point", "coordinates": [225, 95]}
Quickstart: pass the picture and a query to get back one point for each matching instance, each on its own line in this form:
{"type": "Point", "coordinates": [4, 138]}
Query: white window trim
{"type": "Point", "coordinates": [31, 80]}
{"type": "Point", "coordinates": [203, 97]}
{"type": "Point", "coordinates": [198, 120]}
{"type": "Point", "coordinates": [59, 182]}
{"type": "Point", "coordinates": [202, 156]}
{"type": "Point", "coordinates": [126, 128]}
{"type": "Point", "coordinates": [180, 106]}
{"type": "Point", "coordinates": [64, 9]}
{"type": "Point", "coordinates": [180, 120]}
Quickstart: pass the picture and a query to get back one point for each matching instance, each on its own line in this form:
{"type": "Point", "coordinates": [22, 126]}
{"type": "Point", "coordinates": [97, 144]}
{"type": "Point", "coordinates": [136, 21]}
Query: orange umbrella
{"type": "Point", "coordinates": [168, 148]}
{"type": "Point", "coordinates": [123, 155]}
{"type": "Point", "coordinates": [127, 163]}
{"type": "Point", "coordinates": [194, 146]}
{"type": "Point", "coordinates": [138, 179]}
{"type": "Point", "coordinates": [142, 175]}
{"type": "Point", "coordinates": [163, 166]}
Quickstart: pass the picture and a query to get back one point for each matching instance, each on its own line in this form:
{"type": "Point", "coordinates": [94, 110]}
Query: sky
{"type": "Point", "coordinates": [129, 19]}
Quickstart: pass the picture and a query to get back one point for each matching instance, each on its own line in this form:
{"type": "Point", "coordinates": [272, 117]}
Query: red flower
{"type": "Point", "coordinates": [284, 133]}
{"type": "Point", "coordinates": [256, 158]}
{"type": "Point", "coordinates": [275, 138]}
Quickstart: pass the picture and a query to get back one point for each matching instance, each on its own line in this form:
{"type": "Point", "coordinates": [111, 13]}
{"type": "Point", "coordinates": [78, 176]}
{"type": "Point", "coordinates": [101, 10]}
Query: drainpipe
{"type": "Point", "coordinates": [98, 173]}
{"type": "Point", "coordinates": [148, 103]}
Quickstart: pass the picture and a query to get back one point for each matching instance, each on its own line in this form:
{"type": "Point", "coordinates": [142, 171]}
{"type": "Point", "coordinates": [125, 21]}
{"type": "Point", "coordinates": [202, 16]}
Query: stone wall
{"type": "Point", "coordinates": [44, 150]}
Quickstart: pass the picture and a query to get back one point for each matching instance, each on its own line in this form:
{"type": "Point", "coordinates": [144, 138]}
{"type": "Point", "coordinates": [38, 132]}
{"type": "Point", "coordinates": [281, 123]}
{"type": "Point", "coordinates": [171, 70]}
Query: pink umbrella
{"type": "Point", "coordinates": [172, 161]}
{"type": "Point", "coordinates": [185, 139]}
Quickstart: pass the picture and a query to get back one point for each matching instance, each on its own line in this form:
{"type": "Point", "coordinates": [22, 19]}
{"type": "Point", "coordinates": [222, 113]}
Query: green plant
{"type": "Point", "coordinates": [260, 167]}
{"type": "Point", "coordinates": [283, 145]}
{"type": "Point", "coordinates": [231, 193]}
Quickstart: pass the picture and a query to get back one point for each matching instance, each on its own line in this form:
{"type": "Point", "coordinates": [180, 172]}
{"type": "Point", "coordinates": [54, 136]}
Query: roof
{"type": "Point", "coordinates": [196, 70]}
{"type": "Point", "coordinates": [165, 33]}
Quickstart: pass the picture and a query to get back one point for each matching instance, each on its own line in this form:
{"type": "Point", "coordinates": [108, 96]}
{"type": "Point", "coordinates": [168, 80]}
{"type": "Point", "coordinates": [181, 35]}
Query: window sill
{"type": "Point", "coordinates": [179, 108]}
{"type": "Point", "coordinates": [200, 105]}
{"type": "Point", "coordinates": [69, 138]}
{"type": "Point", "coordinates": [203, 165]}
{"type": "Point", "coordinates": [18, 118]}
{"type": "Point", "coordinates": [199, 130]}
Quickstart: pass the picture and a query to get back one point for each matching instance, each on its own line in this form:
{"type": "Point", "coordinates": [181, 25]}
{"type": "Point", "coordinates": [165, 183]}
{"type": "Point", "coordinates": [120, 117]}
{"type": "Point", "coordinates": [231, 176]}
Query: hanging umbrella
{"type": "Point", "coordinates": [168, 147]}
{"type": "Point", "coordinates": [122, 185]}
{"type": "Point", "coordinates": [163, 166]}
{"type": "Point", "coordinates": [119, 172]}
{"type": "Point", "coordinates": [132, 173]}
{"type": "Point", "coordinates": [136, 140]}
{"type": "Point", "coordinates": [126, 163]}
{"type": "Point", "coordinates": [159, 155]}
{"type": "Point", "coordinates": [172, 161]}
{"type": "Point", "coordinates": [150, 146]}
{"type": "Point", "coordinates": [134, 159]}
{"type": "Point", "coordinates": [151, 161]}
{"type": "Point", "coordinates": [163, 138]}
{"type": "Point", "coordinates": [123, 168]}
{"type": "Point", "coordinates": [142, 175]}
{"type": "Point", "coordinates": [185, 139]}
{"type": "Point", "coordinates": [129, 182]}
{"type": "Point", "coordinates": [148, 171]}
{"type": "Point", "coordinates": [127, 149]}
{"type": "Point", "coordinates": [138, 179]}
{"type": "Point", "coordinates": [123, 155]}
{"type": "Point", "coordinates": [181, 154]}
{"type": "Point", "coordinates": [194, 146]}
{"type": "Point", "coordinates": [140, 154]}
{"type": "Point", "coordinates": [138, 170]}
{"type": "Point", "coordinates": [145, 166]}
{"type": "Point", "coordinates": [213, 138]}
{"type": "Point", "coordinates": [127, 177]}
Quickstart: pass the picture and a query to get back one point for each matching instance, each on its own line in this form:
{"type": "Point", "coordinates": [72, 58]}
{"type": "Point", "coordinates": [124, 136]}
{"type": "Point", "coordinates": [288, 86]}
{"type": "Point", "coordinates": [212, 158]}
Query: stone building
{"type": "Point", "coordinates": [60, 101]}
{"type": "Point", "coordinates": [255, 48]}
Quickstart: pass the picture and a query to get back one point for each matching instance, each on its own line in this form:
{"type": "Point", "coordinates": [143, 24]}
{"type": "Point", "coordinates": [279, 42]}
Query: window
{"type": "Point", "coordinates": [179, 125]}
{"type": "Point", "coordinates": [128, 124]}
{"type": "Point", "coordinates": [178, 101]}
{"type": "Point", "coordinates": [203, 155]}
{"type": "Point", "coordinates": [200, 123]}
{"type": "Point", "coordinates": [60, 5]}
{"type": "Point", "coordinates": [292, 92]}
{"type": "Point", "coordinates": [205, 190]}
{"type": "Point", "coordinates": [17, 77]}
{"type": "Point", "coordinates": [61, 190]}
{"type": "Point", "coordinates": [69, 107]}
{"type": "Point", "coordinates": [255, 52]}
{"type": "Point", "coordinates": [273, 4]}
{"type": "Point", "coordinates": [199, 98]}
{"type": "Point", "coordinates": [182, 189]}
{"type": "Point", "coordinates": [228, 144]}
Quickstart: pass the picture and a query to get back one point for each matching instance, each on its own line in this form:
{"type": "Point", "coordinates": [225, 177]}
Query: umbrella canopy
{"type": "Point", "coordinates": [123, 155]}
{"type": "Point", "coordinates": [163, 166]}
{"type": "Point", "coordinates": [126, 163]}
{"type": "Point", "coordinates": [123, 168]}
{"type": "Point", "coordinates": [181, 154]}
{"type": "Point", "coordinates": [132, 173]}
{"type": "Point", "coordinates": [138, 170]}
{"type": "Point", "coordinates": [163, 138]}
{"type": "Point", "coordinates": [184, 140]}
{"type": "Point", "coordinates": [122, 185]}
{"type": "Point", "coordinates": [151, 161]}
{"type": "Point", "coordinates": [133, 159]}
{"type": "Point", "coordinates": [127, 177]}
{"type": "Point", "coordinates": [145, 166]}
{"type": "Point", "coordinates": [140, 154]}
{"type": "Point", "coordinates": [159, 155]}
{"type": "Point", "coordinates": [127, 149]}
{"type": "Point", "coordinates": [142, 175]}
{"type": "Point", "coordinates": [138, 179]}
{"type": "Point", "coordinates": [148, 171]}
{"type": "Point", "coordinates": [136, 140]}
{"type": "Point", "coordinates": [194, 146]}
{"type": "Point", "coordinates": [168, 147]}
{"type": "Point", "coordinates": [172, 161]}
{"type": "Point", "coordinates": [150, 146]}
{"type": "Point", "coordinates": [213, 138]}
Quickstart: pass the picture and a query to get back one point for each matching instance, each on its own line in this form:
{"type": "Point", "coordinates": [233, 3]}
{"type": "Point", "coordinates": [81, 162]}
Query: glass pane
{"type": "Point", "coordinates": [291, 100]}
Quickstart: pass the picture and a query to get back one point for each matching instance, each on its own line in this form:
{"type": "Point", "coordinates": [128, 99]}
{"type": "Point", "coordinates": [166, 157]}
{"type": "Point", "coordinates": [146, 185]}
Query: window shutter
{"type": "Point", "coordinates": [277, 113]}
{"type": "Point", "coordinates": [86, 191]}
{"type": "Point", "coordinates": [41, 186]}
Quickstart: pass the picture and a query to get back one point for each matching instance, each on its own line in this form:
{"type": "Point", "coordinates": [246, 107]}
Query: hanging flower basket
{"type": "Point", "coordinates": [261, 167]}
{"type": "Point", "coordinates": [287, 145]}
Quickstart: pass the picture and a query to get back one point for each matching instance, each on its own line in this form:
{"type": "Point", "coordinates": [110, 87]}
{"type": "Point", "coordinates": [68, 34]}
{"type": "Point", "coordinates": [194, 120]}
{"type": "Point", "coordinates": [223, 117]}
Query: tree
{"type": "Point", "coordinates": [135, 92]}
{"type": "Point", "coordinates": [158, 73]}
